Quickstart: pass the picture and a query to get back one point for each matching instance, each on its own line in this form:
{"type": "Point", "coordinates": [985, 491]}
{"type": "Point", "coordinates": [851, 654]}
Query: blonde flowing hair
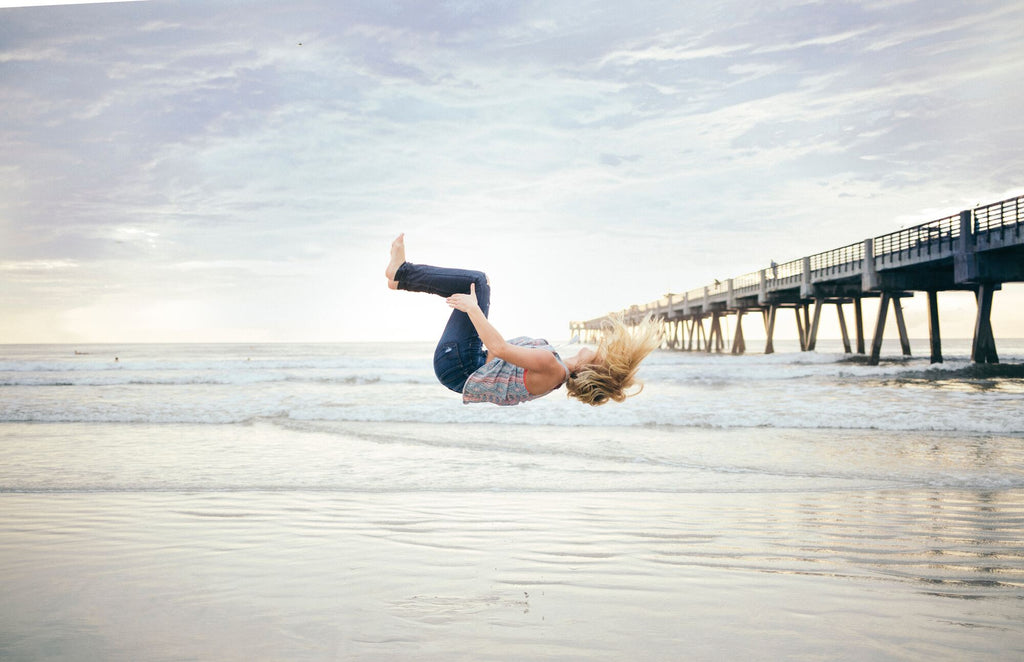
{"type": "Point", "coordinates": [618, 358]}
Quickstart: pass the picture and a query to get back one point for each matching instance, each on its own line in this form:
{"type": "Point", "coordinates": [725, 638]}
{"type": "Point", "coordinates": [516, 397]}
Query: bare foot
{"type": "Point", "coordinates": [397, 260]}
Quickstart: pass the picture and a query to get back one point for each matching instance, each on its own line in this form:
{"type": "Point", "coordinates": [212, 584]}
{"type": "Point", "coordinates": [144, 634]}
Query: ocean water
{"type": "Point", "coordinates": [333, 502]}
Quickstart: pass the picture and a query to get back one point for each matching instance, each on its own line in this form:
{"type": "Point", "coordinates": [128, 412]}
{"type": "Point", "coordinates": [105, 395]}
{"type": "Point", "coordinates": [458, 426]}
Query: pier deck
{"type": "Point", "coordinates": [974, 250]}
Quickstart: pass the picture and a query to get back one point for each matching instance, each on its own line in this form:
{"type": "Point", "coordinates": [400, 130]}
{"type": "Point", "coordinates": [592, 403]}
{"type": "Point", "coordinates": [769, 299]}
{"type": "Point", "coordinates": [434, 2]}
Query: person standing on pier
{"type": "Point", "coordinates": [473, 359]}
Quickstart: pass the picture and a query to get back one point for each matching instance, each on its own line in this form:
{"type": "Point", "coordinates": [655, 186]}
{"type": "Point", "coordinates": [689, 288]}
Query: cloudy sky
{"type": "Point", "coordinates": [235, 171]}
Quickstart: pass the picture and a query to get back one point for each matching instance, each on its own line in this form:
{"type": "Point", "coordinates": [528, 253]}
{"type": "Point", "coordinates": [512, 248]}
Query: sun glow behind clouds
{"type": "Point", "coordinates": [178, 170]}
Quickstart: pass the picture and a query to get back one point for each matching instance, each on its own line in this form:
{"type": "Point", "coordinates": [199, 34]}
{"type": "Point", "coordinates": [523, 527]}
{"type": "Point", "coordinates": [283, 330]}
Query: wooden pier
{"type": "Point", "coordinates": [974, 250]}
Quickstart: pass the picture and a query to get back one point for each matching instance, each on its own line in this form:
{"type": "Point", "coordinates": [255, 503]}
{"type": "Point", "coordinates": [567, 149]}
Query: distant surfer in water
{"type": "Point", "coordinates": [473, 359]}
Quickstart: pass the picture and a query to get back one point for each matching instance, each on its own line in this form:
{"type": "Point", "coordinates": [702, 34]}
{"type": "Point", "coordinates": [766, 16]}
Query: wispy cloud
{"type": "Point", "coordinates": [966, 30]}
{"type": "Point", "coordinates": [679, 53]}
{"type": "Point", "coordinates": [824, 40]}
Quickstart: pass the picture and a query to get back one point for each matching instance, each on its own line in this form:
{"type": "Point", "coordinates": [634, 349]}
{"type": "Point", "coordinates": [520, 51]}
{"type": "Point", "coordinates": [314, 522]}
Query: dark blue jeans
{"type": "Point", "coordinates": [460, 351]}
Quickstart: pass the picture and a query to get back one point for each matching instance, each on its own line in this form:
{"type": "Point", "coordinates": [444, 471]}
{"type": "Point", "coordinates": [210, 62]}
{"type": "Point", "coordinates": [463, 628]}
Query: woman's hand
{"type": "Point", "coordinates": [464, 302]}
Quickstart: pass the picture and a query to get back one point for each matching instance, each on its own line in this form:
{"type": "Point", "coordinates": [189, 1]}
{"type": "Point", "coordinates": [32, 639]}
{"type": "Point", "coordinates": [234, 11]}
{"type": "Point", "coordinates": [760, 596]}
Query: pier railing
{"type": "Point", "coordinates": [793, 270]}
{"type": "Point", "coordinates": [747, 282]}
{"type": "Point", "coordinates": [1004, 215]}
{"type": "Point", "coordinates": [843, 260]}
{"type": "Point", "coordinates": [932, 239]}
{"type": "Point", "coordinates": [999, 224]}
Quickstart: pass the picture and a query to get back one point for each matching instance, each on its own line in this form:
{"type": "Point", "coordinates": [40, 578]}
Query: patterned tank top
{"type": "Point", "coordinates": [502, 383]}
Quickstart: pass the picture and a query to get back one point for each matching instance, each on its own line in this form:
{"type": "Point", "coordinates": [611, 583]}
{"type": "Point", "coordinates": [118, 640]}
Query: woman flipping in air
{"type": "Point", "coordinates": [473, 359]}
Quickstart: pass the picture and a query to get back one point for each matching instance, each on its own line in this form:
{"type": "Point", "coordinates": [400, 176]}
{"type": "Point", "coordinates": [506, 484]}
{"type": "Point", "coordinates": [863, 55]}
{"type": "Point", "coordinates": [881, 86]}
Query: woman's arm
{"type": "Point", "coordinates": [530, 358]}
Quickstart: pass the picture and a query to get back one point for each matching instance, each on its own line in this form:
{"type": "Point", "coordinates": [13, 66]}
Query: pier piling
{"type": "Point", "coordinates": [769, 328]}
{"type": "Point", "coordinates": [876, 343]}
{"type": "Point", "coordinates": [934, 338]}
{"type": "Point", "coordinates": [842, 327]}
{"type": "Point", "coordinates": [738, 345]}
{"type": "Point", "coordinates": [983, 349]}
{"type": "Point", "coordinates": [858, 312]}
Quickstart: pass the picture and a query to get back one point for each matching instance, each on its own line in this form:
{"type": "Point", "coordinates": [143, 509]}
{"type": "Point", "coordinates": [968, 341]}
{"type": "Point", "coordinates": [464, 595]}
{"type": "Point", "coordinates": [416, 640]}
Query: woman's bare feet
{"type": "Point", "coordinates": [397, 260]}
